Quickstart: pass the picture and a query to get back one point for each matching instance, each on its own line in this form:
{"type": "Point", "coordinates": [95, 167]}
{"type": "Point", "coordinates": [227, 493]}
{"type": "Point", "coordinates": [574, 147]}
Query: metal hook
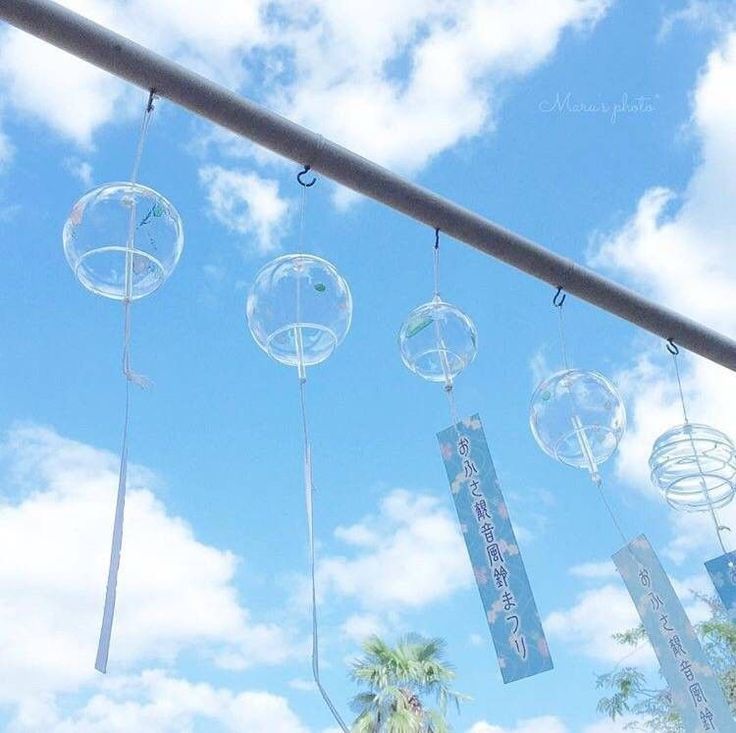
{"type": "Point", "coordinates": [151, 97]}
{"type": "Point", "coordinates": [672, 347]}
{"type": "Point", "coordinates": [558, 302]}
{"type": "Point", "coordinates": [436, 237]}
{"type": "Point", "coordinates": [299, 175]}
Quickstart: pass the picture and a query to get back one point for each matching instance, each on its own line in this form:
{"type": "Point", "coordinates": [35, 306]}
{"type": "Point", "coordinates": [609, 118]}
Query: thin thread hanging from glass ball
{"type": "Point", "coordinates": [694, 466]}
{"type": "Point", "coordinates": [578, 418]}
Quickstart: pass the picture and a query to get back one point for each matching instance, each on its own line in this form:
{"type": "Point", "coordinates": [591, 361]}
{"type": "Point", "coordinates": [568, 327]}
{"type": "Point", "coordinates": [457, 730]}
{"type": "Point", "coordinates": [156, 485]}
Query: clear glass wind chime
{"type": "Point", "coordinates": [122, 241]}
{"type": "Point", "coordinates": [694, 465]}
{"type": "Point", "coordinates": [299, 310]}
{"type": "Point", "coordinates": [578, 417]}
{"type": "Point", "coordinates": [437, 341]}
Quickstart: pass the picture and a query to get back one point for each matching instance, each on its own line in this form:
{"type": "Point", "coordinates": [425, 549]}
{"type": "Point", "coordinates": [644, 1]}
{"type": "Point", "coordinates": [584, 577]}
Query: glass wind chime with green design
{"type": "Point", "coordinates": [437, 342]}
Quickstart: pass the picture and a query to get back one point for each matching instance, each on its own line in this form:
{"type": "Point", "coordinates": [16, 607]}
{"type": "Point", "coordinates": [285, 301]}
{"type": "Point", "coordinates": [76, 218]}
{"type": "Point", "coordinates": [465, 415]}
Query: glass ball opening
{"type": "Point", "coordinates": [694, 466]}
{"type": "Point", "coordinates": [578, 418]}
{"type": "Point", "coordinates": [299, 309]}
{"type": "Point", "coordinates": [437, 341]}
{"type": "Point", "coordinates": [97, 233]}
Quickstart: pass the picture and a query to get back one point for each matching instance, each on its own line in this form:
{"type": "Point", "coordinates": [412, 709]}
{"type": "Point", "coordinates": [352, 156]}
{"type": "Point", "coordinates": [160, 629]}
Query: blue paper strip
{"type": "Point", "coordinates": [694, 685]}
{"type": "Point", "coordinates": [499, 570]}
{"type": "Point", "coordinates": [722, 571]}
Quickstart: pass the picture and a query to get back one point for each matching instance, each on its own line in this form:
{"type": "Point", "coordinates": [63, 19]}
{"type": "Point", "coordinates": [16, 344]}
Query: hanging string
{"type": "Point", "coordinates": [449, 387]}
{"type": "Point", "coordinates": [103, 646]}
{"type": "Point", "coordinates": [609, 509]}
{"type": "Point", "coordinates": [437, 263]}
{"type": "Point", "coordinates": [674, 351]}
{"type": "Point", "coordinates": [308, 475]}
{"type": "Point", "coordinates": [558, 301]}
{"type": "Point", "coordinates": [309, 494]}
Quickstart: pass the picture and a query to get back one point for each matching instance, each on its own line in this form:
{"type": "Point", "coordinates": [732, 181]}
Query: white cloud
{"type": "Point", "coordinates": [75, 99]}
{"type": "Point", "coordinates": [6, 151]}
{"type": "Point", "coordinates": [594, 570]}
{"type": "Point", "coordinates": [359, 626]}
{"type": "Point", "coordinates": [587, 626]}
{"type": "Point", "coordinates": [80, 169]}
{"type": "Point", "coordinates": [410, 555]}
{"type": "Point", "coordinates": [175, 593]}
{"type": "Point", "coordinates": [699, 14]}
{"type": "Point", "coordinates": [553, 724]}
{"type": "Point", "coordinates": [155, 702]}
{"type": "Point", "coordinates": [620, 725]}
{"type": "Point", "coordinates": [544, 724]}
{"type": "Point", "coordinates": [247, 204]}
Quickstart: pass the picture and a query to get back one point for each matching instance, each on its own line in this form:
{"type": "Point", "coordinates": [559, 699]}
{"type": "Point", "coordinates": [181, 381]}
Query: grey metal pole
{"type": "Point", "coordinates": [114, 53]}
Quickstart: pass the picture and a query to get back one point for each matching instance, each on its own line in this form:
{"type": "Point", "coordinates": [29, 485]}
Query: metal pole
{"type": "Point", "coordinates": [114, 53]}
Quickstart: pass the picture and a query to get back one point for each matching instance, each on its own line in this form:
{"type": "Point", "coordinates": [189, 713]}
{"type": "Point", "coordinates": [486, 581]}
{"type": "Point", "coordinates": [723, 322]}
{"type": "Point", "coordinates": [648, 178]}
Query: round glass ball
{"type": "Point", "coordinates": [694, 466]}
{"type": "Point", "coordinates": [123, 240]}
{"type": "Point", "coordinates": [578, 418]}
{"type": "Point", "coordinates": [437, 341]}
{"type": "Point", "coordinates": [299, 309]}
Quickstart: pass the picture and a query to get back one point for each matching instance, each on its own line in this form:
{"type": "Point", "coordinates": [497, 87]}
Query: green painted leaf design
{"type": "Point", "coordinates": [417, 326]}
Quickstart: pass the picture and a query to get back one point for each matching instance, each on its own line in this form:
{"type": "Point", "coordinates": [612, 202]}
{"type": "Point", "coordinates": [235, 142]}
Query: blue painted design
{"type": "Point", "coordinates": [499, 570]}
{"type": "Point", "coordinates": [722, 571]}
{"type": "Point", "coordinates": [694, 685]}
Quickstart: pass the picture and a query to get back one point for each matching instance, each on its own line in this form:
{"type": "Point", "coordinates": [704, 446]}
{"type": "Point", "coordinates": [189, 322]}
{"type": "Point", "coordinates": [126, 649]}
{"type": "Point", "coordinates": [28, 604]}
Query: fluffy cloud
{"type": "Point", "coordinates": [247, 204]}
{"type": "Point", "coordinates": [360, 626]}
{"type": "Point", "coordinates": [594, 570]}
{"type": "Point", "coordinates": [6, 151]}
{"type": "Point", "coordinates": [158, 703]}
{"type": "Point", "coordinates": [175, 593]}
{"type": "Point", "coordinates": [587, 627]}
{"type": "Point", "coordinates": [552, 724]}
{"type": "Point", "coordinates": [544, 724]}
{"type": "Point", "coordinates": [81, 170]}
{"type": "Point", "coordinates": [599, 612]}
{"type": "Point", "coordinates": [75, 99]}
{"type": "Point", "coordinates": [410, 555]}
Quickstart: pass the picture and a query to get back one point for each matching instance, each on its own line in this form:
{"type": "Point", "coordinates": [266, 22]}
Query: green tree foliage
{"type": "Point", "coordinates": [397, 681]}
{"type": "Point", "coordinates": [631, 692]}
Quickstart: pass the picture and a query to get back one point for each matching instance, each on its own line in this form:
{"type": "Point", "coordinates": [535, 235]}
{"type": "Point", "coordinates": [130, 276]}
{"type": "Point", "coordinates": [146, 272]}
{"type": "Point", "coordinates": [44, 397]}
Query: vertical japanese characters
{"type": "Point", "coordinates": [494, 553]}
{"type": "Point", "coordinates": [499, 570]}
{"type": "Point", "coordinates": [694, 685]}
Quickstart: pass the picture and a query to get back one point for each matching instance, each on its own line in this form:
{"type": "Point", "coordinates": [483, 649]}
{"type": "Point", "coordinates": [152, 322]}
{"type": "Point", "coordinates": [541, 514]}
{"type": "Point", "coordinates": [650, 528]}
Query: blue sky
{"type": "Point", "coordinates": [481, 101]}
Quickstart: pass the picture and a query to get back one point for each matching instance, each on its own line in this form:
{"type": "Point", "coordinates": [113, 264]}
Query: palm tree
{"type": "Point", "coordinates": [397, 678]}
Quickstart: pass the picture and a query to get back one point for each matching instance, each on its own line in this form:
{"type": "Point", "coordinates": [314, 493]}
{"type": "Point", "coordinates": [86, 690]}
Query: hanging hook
{"type": "Point", "coordinates": [299, 177]}
{"type": "Point", "coordinates": [151, 97]}
{"type": "Point", "coordinates": [436, 237]}
{"type": "Point", "coordinates": [672, 347]}
{"type": "Point", "coordinates": [558, 302]}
